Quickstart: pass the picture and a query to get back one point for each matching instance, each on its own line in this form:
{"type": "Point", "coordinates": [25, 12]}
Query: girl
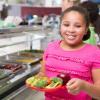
{"type": "Point", "coordinates": [71, 55]}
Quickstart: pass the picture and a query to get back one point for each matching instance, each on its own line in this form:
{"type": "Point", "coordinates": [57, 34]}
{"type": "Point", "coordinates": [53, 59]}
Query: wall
{"type": "Point", "coordinates": [40, 11]}
{"type": "Point", "coordinates": [15, 10]}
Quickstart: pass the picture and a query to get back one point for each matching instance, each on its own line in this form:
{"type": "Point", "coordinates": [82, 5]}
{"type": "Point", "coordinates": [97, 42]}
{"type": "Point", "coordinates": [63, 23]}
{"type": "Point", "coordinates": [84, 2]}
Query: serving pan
{"type": "Point", "coordinates": [12, 67]}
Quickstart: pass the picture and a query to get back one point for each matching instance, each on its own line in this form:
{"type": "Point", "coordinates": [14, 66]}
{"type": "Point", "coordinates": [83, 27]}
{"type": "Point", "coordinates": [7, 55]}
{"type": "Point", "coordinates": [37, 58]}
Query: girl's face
{"type": "Point", "coordinates": [73, 28]}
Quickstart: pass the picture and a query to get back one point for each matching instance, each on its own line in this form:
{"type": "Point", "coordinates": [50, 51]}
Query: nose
{"type": "Point", "coordinates": [71, 29]}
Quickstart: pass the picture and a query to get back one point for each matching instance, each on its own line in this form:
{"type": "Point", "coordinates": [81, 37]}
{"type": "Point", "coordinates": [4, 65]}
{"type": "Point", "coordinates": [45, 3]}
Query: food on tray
{"type": "Point", "coordinates": [33, 51]}
{"type": "Point", "coordinates": [65, 77]}
{"type": "Point", "coordinates": [25, 60]}
{"type": "Point", "coordinates": [27, 54]}
{"type": "Point", "coordinates": [41, 83]}
{"type": "Point", "coordinates": [55, 82]}
{"type": "Point", "coordinates": [44, 82]}
{"type": "Point", "coordinates": [12, 67]}
{"type": "Point", "coordinates": [38, 81]}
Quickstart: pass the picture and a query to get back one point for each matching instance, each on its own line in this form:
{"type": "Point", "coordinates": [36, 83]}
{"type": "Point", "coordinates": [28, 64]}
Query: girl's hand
{"type": "Point", "coordinates": [41, 74]}
{"type": "Point", "coordinates": [75, 85]}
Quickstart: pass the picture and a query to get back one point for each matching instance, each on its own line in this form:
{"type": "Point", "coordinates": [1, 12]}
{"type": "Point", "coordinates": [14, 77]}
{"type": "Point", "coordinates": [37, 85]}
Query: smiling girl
{"type": "Point", "coordinates": [71, 55]}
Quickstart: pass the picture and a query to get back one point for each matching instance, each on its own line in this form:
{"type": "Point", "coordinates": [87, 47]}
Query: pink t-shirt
{"type": "Point", "coordinates": [78, 63]}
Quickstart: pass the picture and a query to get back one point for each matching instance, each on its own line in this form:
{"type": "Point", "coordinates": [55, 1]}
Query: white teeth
{"type": "Point", "coordinates": [71, 37]}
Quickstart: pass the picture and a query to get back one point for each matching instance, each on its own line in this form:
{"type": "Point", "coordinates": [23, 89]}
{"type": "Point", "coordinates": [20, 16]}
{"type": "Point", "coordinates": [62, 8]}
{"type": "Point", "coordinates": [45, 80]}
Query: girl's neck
{"type": "Point", "coordinates": [64, 46]}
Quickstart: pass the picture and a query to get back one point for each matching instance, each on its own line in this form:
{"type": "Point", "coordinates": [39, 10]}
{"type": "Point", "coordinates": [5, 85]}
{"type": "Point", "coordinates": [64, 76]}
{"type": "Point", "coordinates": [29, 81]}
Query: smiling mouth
{"type": "Point", "coordinates": [71, 37]}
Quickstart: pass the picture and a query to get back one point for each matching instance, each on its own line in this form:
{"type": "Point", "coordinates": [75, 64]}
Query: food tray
{"type": "Point", "coordinates": [25, 56]}
{"type": "Point", "coordinates": [44, 89]}
{"type": "Point", "coordinates": [31, 53]}
{"type": "Point", "coordinates": [13, 67]}
{"type": "Point", "coordinates": [44, 84]}
{"type": "Point", "coordinates": [21, 59]}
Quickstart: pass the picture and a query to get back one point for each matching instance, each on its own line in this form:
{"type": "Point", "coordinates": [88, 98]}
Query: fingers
{"type": "Point", "coordinates": [72, 86]}
{"type": "Point", "coordinates": [70, 82]}
{"type": "Point", "coordinates": [75, 92]}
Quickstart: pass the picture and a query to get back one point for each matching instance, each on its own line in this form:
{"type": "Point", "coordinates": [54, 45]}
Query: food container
{"type": "Point", "coordinates": [12, 67]}
{"type": "Point", "coordinates": [25, 56]}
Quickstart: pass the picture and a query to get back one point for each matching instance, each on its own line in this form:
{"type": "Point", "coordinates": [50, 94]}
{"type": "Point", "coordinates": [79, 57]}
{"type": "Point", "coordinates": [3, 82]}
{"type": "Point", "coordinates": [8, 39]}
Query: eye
{"type": "Point", "coordinates": [65, 24]}
{"type": "Point", "coordinates": [78, 26]}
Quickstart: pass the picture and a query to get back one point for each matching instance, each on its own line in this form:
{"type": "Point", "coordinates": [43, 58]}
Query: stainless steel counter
{"type": "Point", "coordinates": [25, 93]}
{"type": "Point", "coordinates": [17, 79]}
{"type": "Point", "coordinates": [14, 81]}
{"type": "Point", "coordinates": [12, 37]}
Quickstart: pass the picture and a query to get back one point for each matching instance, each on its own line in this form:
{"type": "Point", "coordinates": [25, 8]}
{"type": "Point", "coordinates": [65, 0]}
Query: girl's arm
{"type": "Point", "coordinates": [42, 69]}
{"type": "Point", "coordinates": [94, 89]}
{"type": "Point", "coordinates": [76, 85]}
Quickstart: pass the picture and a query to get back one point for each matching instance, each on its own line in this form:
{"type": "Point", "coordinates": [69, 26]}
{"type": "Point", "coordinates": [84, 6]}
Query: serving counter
{"type": "Point", "coordinates": [16, 44]}
{"type": "Point", "coordinates": [19, 69]}
{"type": "Point", "coordinates": [20, 56]}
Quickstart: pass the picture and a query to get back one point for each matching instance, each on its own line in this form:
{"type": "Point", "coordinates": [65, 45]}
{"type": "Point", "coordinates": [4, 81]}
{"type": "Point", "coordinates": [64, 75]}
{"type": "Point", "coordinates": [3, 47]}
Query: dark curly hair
{"type": "Point", "coordinates": [83, 12]}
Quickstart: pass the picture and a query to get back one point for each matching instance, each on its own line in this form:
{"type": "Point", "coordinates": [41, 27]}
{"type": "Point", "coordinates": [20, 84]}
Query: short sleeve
{"type": "Point", "coordinates": [96, 60]}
